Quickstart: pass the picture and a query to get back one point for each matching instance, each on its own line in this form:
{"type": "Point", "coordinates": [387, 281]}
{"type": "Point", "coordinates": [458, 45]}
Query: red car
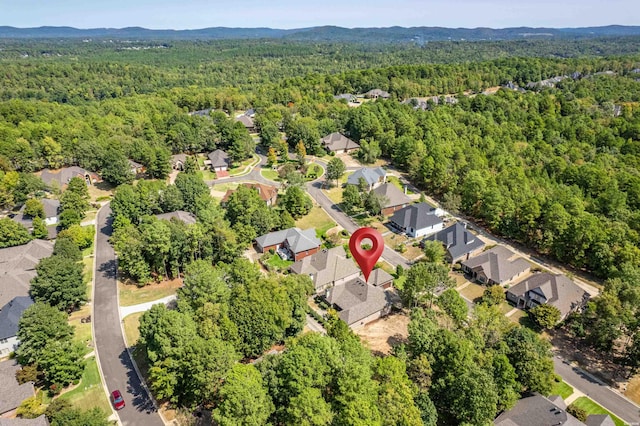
{"type": "Point", "coordinates": [118, 401]}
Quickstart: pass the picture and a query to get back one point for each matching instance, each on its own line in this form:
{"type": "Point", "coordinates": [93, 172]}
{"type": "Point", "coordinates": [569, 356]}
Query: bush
{"type": "Point", "coordinates": [577, 412]}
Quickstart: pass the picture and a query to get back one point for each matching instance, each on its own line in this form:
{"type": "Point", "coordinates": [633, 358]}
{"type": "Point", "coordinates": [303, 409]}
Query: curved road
{"type": "Point", "coordinates": [114, 361]}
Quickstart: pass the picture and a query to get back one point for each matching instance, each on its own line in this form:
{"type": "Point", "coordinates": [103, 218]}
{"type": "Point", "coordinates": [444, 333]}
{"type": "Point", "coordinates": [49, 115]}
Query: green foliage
{"type": "Point", "coordinates": [12, 233]}
{"type": "Point", "coordinates": [62, 361]}
{"type": "Point", "coordinates": [545, 316]}
{"type": "Point", "coordinates": [296, 202]}
{"type": "Point", "coordinates": [192, 188]}
{"type": "Point", "coordinates": [247, 208]}
{"type": "Point", "coordinates": [67, 248]}
{"type": "Point", "coordinates": [82, 236]}
{"type": "Point", "coordinates": [39, 324]}
{"type": "Point", "coordinates": [434, 251]}
{"type": "Point", "coordinates": [422, 280]}
{"type": "Point", "coordinates": [493, 295]}
{"type": "Point", "coordinates": [369, 151]}
{"type": "Point", "coordinates": [396, 393]}
{"type": "Point", "coordinates": [531, 358]}
{"type": "Point", "coordinates": [577, 412]}
{"type": "Point", "coordinates": [39, 228]}
{"type": "Point", "coordinates": [59, 283]}
{"type": "Point", "coordinates": [76, 417]}
{"type": "Point", "coordinates": [30, 408]}
{"type": "Point", "coordinates": [335, 169]}
{"type": "Point", "coordinates": [244, 400]}
{"type": "Point", "coordinates": [352, 199]}
{"type": "Point", "coordinates": [78, 185]}
{"type": "Point", "coordinates": [33, 207]}
{"type": "Point", "coordinates": [454, 305]}
{"type": "Point", "coordinates": [115, 167]}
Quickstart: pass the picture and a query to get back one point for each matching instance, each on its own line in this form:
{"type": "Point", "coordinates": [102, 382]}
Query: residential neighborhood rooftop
{"type": "Point", "coordinates": [357, 300]}
{"type": "Point", "coordinates": [18, 267]}
{"type": "Point", "coordinates": [62, 176]}
{"type": "Point", "coordinates": [181, 215]}
{"type": "Point", "coordinates": [38, 421]}
{"type": "Point", "coordinates": [417, 216]}
{"type": "Point", "coordinates": [12, 393]}
{"type": "Point", "coordinates": [297, 239]}
{"type": "Point", "coordinates": [266, 192]}
{"type": "Point", "coordinates": [536, 410]}
{"type": "Point", "coordinates": [326, 266]}
{"type": "Point", "coordinates": [370, 175]}
{"type": "Point", "coordinates": [499, 264]}
{"type": "Point", "coordinates": [10, 315]}
{"type": "Point", "coordinates": [338, 142]}
{"type": "Point", "coordinates": [218, 158]}
{"type": "Point", "coordinates": [457, 240]}
{"type": "Point", "coordinates": [392, 196]}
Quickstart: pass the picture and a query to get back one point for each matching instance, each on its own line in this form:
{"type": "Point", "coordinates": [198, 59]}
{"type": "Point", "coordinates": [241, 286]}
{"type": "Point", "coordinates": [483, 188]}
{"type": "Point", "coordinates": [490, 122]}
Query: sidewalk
{"type": "Point", "coordinates": [142, 307]}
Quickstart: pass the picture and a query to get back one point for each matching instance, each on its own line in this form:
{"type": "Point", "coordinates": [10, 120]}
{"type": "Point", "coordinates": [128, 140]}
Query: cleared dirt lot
{"type": "Point", "coordinates": [381, 334]}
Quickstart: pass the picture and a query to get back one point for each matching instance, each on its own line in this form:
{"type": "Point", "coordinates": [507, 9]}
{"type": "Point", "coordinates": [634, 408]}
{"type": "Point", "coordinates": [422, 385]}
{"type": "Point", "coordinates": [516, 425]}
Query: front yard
{"type": "Point", "coordinates": [591, 407]}
{"type": "Point", "coordinates": [89, 392]}
{"type": "Point", "coordinates": [318, 219]}
{"type": "Point", "coordinates": [130, 294]}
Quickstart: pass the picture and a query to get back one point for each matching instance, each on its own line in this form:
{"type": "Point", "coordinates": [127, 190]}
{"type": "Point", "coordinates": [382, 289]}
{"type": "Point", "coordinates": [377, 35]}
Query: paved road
{"type": "Point", "coordinates": [253, 175]}
{"type": "Point", "coordinates": [115, 363]}
{"type": "Point", "coordinates": [598, 391]}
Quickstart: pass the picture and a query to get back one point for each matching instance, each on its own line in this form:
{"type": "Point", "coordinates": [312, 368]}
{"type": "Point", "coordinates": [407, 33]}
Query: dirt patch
{"type": "Point", "coordinates": [382, 334]}
{"type": "Point", "coordinates": [633, 389]}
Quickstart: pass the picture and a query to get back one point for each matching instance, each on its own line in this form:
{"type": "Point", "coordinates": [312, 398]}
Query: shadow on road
{"type": "Point", "coordinates": [141, 401]}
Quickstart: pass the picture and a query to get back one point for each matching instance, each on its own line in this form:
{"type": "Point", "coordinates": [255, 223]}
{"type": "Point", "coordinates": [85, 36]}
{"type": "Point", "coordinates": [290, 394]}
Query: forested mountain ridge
{"type": "Point", "coordinates": [324, 33]}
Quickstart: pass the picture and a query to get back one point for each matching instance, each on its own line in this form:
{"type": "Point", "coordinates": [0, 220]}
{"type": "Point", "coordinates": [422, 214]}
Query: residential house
{"type": "Point", "coordinates": [535, 409]}
{"type": "Point", "coordinates": [292, 243]}
{"type": "Point", "coordinates": [38, 421]}
{"type": "Point", "coordinates": [12, 393]}
{"type": "Point", "coordinates": [247, 122]}
{"type": "Point", "coordinates": [268, 193]}
{"type": "Point", "coordinates": [347, 97]}
{"type": "Point", "coordinates": [61, 177]}
{"type": "Point", "coordinates": [187, 218]}
{"type": "Point", "coordinates": [9, 317]}
{"type": "Point", "coordinates": [177, 161]}
{"type": "Point", "coordinates": [338, 143]}
{"type": "Point", "coordinates": [251, 113]}
{"type": "Point", "coordinates": [327, 268]}
{"type": "Point", "coordinates": [372, 177]}
{"type": "Point", "coordinates": [498, 265]}
{"type": "Point", "coordinates": [380, 278]}
{"type": "Point", "coordinates": [202, 112]}
{"type": "Point", "coordinates": [546, 288]}
{"type": "Point", "coordinates": [136, 168]}
{"type": "Point", "coordinates": [377, 93]}
{"type": "Point", "coordinates": [359, 303]}
{"type": "Point", "coordinates": [393, 199]}
{"type": "Point", "coordinates": [459, 243]}
{"type": "Point", "coordinates": [218, 160]}
{"type": "Point", "coordinates": [417, 220]}
{"type": "Point", "coordinates": [51, 211]}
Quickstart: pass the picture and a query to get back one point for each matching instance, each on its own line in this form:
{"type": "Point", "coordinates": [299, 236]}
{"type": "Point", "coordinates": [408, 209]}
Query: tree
{"type": "Point", "coordinates": [78, 186]}
{"type": "Point", "coordinates": [434, 251]}
{"type": "Point", "coordinates": [454, 305]}
{"type": "Point", "coordinates": [192, 188]}
{"type": "Point", "coordinates": [39, 325]}
{"type": "Point", "coordinates": [33, 208]}
{"type": "Point", "coordinates": [374, 203]}
{"type": "Point", "coordinates": [301, 152]}
{"type": "Point", "coordinates": [369, 152]}
{"type": "Point", "coordinates": [244, 400]}
{"type": "Point", "coordinates": [67, 248]}
{"type": "Point", "coordinates": [493, 295]}
{"type": "Point", "coordinates": [335, 169]}
{"type": "Point", "coordinates": [530, 356]}
{"type": "Point", "coordinates": [545, 316]}
{"type": "Point", "coordinates": [59, 283]}
{"type": "Point", "coordinates": [272, 158]}
{"type": "Point", "coordinates": [269, 134]}
{"type": "Point", "coordinates": [351, 199]}
{"type": "Point", "coordinates": [115, 167]}
{"type": "Point", "coordinates": [422, 280]}
{"type": "Point", "coordinates": [203, 284]}
{"type": "Point", "coordinates": [82, 236]}
{"type": "Point", "coordinates": [577, 412]}
{"type": "Point", "coordinates": [75, 417]}
{"type": "Point", "coordinates": [39, 228]}
{"type": "Point", "coordinates": [305, 130]}
{"type": "Point", "coordinates": [396, 393]}
{"type": "Point", "coordinates": [296, 202]}
{"type": "Point", "coordinates": [12, 233]}
{"type": "Point", "coordinates": [308, 408]}
{"type": "Point", "coordinates": [62, 362]}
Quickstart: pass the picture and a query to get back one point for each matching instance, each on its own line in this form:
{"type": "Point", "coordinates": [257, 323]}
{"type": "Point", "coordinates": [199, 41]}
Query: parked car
{"type": "Point", "coordinates": [117, 400]}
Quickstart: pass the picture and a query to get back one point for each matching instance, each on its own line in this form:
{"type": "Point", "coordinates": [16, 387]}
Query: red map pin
{"type": "Point", "coordinates": [366, 258]}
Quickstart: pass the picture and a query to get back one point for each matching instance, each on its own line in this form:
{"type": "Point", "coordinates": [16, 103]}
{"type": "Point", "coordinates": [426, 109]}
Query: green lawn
{"type": "Point", "coordinates": [131, 295]}
{"type": "Point", "coordinates": [592, 407]}
{"type": "Point", "coordinates": [242, 166]}
{"type": "Point", "coordinates": [399, 282]}
{"type": "Point", "coordinates": [132, 328]}
{"type": "Point", "coordinates": [269, 174]}
{"type": "Point", "coordinates": [277, 263]}
{"type": "Point", "coordinates": [562, 389]}
{"type": "Point", "coordinates": [396, 182]}
{"type": "Point", "coordinates": [89, 393]}
{"type": "Point", "coordinates": [317, 218]}
{"type": "Point", "coordinates": [312, 170]}
{"type": "Point", "coordinates": [206, 175]}
{"type": "Point", "coordinates": [472, 291]}
{"type": "Point", "coordinates": [223, 187]}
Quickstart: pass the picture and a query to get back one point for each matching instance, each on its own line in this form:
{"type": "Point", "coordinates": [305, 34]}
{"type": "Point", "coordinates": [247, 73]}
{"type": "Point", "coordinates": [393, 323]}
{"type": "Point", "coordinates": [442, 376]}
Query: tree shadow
{"type": "Point", "coordinates": [141, 401]}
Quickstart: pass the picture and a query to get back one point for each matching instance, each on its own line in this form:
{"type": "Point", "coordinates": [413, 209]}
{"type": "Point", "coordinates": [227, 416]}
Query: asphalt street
{"type": "Point", "coordinates": [115, 362]}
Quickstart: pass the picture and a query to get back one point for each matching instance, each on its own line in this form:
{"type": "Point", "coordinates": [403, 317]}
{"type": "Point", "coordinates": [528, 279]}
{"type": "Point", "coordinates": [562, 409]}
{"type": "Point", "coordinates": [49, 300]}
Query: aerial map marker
{"type": "Point", "coordinates": [366, 258]}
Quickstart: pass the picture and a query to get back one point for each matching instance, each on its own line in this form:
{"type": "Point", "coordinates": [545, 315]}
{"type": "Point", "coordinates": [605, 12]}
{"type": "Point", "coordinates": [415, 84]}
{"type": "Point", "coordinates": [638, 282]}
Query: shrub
{"type": "Point", "coordinates": [577, 412]}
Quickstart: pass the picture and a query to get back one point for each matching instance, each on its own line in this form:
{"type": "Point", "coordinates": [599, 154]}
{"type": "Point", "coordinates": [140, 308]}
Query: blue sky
{"type": "Point", "coordinates": [190, 14]}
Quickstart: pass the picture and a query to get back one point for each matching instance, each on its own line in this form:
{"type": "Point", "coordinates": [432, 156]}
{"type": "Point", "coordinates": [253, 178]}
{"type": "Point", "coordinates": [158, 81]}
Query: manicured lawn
{"type": "Point", "coordinates": [277, 263]}
{"type": "Point", "coordinates": [223, 187]}
{"type": "Point", "coordinates": [131, 295]}
{"type": "Point", "coordinates": [505, 307]}
{"type": "Point", "coordinates": [314, 170]}
{"type": "Point", "coordinates": [89, 393]}
{"type": "Point", "coordinates": [399, 282]}
{"type": "Point", "coordinates": [592, 407]}
{"type": "Point", "coordinates": [131, 328]}
{"type": "Point", "coordinates": [396, 182]}
{"type": "Point", "coordinates": [317, 218]}
{"type": "Point", "coordinates": [269, 174]}
{"type": "Point", "coordinates": [334, 194]}
{"type": "Point", "coordinates": [206, 175]}
{"type": "Point", "coordinates": [242, 166]}
{"type": "Point", "coordinates": [91, 215]}
{"type": "Point", "coordinates": [472, 291]}
{"type": "Point", "coordinates": [562, 389]}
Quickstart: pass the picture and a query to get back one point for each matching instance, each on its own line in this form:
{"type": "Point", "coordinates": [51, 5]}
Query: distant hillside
{"type": "Point", "coordinates": [325, 33]}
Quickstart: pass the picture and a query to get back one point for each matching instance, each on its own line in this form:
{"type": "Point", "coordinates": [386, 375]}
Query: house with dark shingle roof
{"type": "Point", "coordinates": [545, 288]}
{"type": "Point", "coordinates": [51, 209]}
{"type": "Point", "coordinates": [417, 220]}
{"type": "Point", "coordinates": [294, 242]}
{"type": "Point", "coordinates": [380, 278]}
{"type": "Point", "coordinates": [177, 161]}
{"type": "Point", "coordinates": [459, 243]}
{"type": "Point", "coordinates": [599, 420]}
{"type": "Point", "coordinates": [372, 177]}
{"type": "Point", "coordinates": [393, 199]}
{"type": "Point", "coordinates": [339, 143]}
{"type": "Point", "coordinates": [377, 93]}
{"type": "Point", "coordinates": [327, 268]}
{"type": "Point", "coordinates": [247, 122]}
{"type": "Point", "coordinates": [61, 177]}
{"type": "Point", "coordinates": [187, 217]}
{"type": "Point", "coordinates": [359, 303]}
{"type": "Point", "coordinates": [346, 96]}
{"type": "Point", "coordinates": [12, 393]}
{"type": "Point", "coordinates": [38, 421]}
{"type": "Point", "coordinates": [268, 193]}
{"type": "Point", "coordinates": [498, 265]}
{"type": "Point", "coordinates": [218, 160]}
{"type": "Point", "coordinates": [9, 318]}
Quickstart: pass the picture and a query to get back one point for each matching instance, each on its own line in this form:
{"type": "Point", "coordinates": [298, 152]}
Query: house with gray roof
{"type": "Point", "coordinates": [393, 199]}
{"type": "Point", "coordinates": [377, 93]}
{"type": "Point", "coordinates": [247, 122]}
{"type": "Point", "coordinates": [293, 243]}
{"type": "Point", "coordinates": [380, 278]}
{"type": "Point", "coordinates": [373, 176]}
{"type": "Point", "coordinates": [496, 266]}
{"type": "Point", "coordinates": [12, 393]}
{"type": "Point", "coordinates": [459, 243]}
{"type": "Point", "coordinates": [327, 268]}
{"type": "Point", "coordinates": [186, 217]}
{"type": "Point", "coordinates": [339, 143]}
{"type": "Point", "coordinates": [9, 318]}
{"type": "Point", "coordinates": [545, 288]}
{"type": "Point", "coordinates": [417, 220]}
{"type": "Point", "coordinates": [347, 97]}
{"type": "Point", "coordinates": [177, 161]}
{"type": "Point", "coordinates": [359, 303]}
{"type": "Point", "coordinates": [38, 421]}
{"type": "Point", "coordinates": [51, 209]}
{"type": "Point", "coordinates": [536, 410]}
{"type": "Point", "coordinates": [218, 160]}
{"type": "Point", "coordinates": [61, 177]}
{"type": "Point", "coordinates": [599, 420]}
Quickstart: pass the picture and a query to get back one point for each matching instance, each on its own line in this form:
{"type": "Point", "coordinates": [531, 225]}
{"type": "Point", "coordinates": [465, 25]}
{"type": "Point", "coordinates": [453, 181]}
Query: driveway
{"type": "Point", "coordinates": [114, 361]}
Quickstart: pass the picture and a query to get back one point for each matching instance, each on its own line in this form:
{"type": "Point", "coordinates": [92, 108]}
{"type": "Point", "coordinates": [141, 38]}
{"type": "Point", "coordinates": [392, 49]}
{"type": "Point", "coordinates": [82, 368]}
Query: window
{"type": "Point", "coordinates": [4, 340]}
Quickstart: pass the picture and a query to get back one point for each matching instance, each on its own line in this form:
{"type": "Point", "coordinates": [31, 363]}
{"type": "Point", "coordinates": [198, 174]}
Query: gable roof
{"type": "Point", "coordinates": [378, 92]}
{"type": "Point", "coordinates": [38, 421]}
{"type": "Point", "coordinates": [392, 195]}
{"type": "Point", "coordinates": [178, 158]}
{"type": "Point", "coordinates": [18, 267]}
{"type": "Point", "coordinates": [297, 239]}
{"type": "Point", "coordinates": [12, 393]}
{"type": "Point", "coordinates": [599, 420]}
{"type": "Point", "coordinates": [370, 175]}
{"type": "Point", "coordinates": [218, 158]}
{"type": "Point", "coordinates": [498, 264]}
{"type": "Point", "coordinates": [357, 300]}
{"type": "Point", "coordinates": [556, 290]}
{"type": "Point", "coordinates": [63, 176]}
{"type": "Point", "coordinates": [10, 315]}
{"type": "Point", "coordinates": [266, 192]}
{"type": "Point", "coordinates": [181, 215]}
{"type": "Point", "coordinates": [536, 410]}
{"type": "Point", "coordinates": [326, 266]}
{"type": "Point", "coordinates": [337, 142]}
{"type": "Point", "coordinates": [457, 240]}
{"type": "Point", "coordinates": [246, 121]}
{"type": "Point", "coordinates": [51, 209]}
{"type": "Point", "coordinates": [379, 276]}
{"type": "Point", "coordinates": [416, 216]}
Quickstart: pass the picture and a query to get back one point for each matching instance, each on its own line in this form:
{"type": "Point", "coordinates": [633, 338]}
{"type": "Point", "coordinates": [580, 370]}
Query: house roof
{"type": "Point", "coordinates": [245, 120]}
{"type": "Point", "coordinates": [218, 158]}
{"type": "Point", "coordinates": [346, 96]}
{"type": "Point", "coordinates": [392, 195]}
{"type": "Point", "coordinates": [297, 239]}
{"type": "Point", "coordinates": [51, 209]}
{"type": "Point", "coordinates": [18, 267]}
{"type": "Point", "coordinates": [370, 175]}
{"type": "Point", "coordinates": [498, 264]}
{"type": "Point", "coordinates": [557, 290]}
{"type": "Point", "coordinates": [326, 266]}
{"type": "Point", "coordinates": [338, 142]}
{"type": "Point", "coordinates": [178, 158]}
{"type": "Point", "coordinates": [416, 216]}
{"type": "Point", "coordinates": [357, 300]}
{"type": "Point", "coordinates": [536, 410]}
{"type": "Point", "coordinates": [457, 240]}
{"type": "Point", "coordinates": [135, 164]}
{"type": "Point", "coordinates": [12, 393]}
{"type": "Point", "coordinates": [266, 192]}
{"type": "Point", "coordinates": [599, 420]}
{"type": "Point", "coordinates": [378, 92]}
{"type": "Point", "coordinates": [379, 276]}
{"type": "Point", "coordinates": [63, 176]}
{"type": "Point", "coordinates": [181, 215]}
{"type": "Point", "coordinates": [10, 315]}
{"type": "Point", "coordinates": [38, 421]}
